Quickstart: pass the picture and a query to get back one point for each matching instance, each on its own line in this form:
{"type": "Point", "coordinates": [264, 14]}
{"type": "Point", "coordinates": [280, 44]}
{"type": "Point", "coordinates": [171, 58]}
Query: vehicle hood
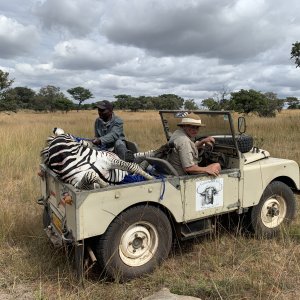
{"type": "Point", "coordinates": [254, 155]}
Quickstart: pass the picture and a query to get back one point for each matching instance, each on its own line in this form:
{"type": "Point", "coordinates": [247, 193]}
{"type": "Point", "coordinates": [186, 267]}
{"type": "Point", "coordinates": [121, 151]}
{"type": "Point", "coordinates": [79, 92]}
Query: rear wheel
{"type": "Point", "coordinates": [134, 243]}
{"type": "Point", "coordinates": [277, 206]}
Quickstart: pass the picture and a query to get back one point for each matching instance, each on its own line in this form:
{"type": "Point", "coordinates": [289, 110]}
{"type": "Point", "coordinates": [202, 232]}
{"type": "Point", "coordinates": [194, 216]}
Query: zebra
{"type": "Point", "coordinates": [138, 157]}
{"type": "Point", "coordinates": [83, 167]}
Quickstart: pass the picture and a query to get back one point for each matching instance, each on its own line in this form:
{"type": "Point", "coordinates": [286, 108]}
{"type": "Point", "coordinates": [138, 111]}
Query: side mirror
{"type": "Point", "coordinates": [241, 125]}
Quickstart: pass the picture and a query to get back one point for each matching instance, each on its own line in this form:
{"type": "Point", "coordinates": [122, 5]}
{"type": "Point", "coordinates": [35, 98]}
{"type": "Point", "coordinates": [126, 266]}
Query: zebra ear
{"type": "Point", "coordinates": [57, 131]}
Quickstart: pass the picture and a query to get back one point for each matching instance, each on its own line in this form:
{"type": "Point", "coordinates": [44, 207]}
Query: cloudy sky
{"type": "Point", "coordinates": [192, 48]}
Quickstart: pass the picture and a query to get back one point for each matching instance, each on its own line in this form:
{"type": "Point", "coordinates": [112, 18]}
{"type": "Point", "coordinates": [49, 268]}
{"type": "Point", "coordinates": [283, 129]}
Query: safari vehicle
{"type": "Point", "coordinates": [128, 229]}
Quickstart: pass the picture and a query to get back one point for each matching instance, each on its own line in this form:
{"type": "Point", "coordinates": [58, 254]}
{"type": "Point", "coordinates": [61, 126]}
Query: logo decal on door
{"type": "Point", "coordinates": [209, 194]}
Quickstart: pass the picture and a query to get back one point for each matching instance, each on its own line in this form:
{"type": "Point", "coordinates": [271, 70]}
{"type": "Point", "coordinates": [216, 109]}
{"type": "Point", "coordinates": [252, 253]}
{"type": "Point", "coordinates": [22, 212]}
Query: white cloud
{"type": "Point", "coordinates": [191, 48]}
{"type": "Point", "coordinates": [90, 55]}
{"type": "Point", "coordinates": [15, 38]}
{"type": "Point", "coordinates": [76, 17]}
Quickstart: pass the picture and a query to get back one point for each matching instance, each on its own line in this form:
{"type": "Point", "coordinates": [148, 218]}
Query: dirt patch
{"type": "Point", "coordinates": [20, 292]}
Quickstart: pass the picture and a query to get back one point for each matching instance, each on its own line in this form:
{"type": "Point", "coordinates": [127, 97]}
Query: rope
{"type": "Point", "coordinates": [161, 197]}
{"type": "Point", "coordinates": [78, 139]}
{"type": "Point", "coordinates": [162, 177]}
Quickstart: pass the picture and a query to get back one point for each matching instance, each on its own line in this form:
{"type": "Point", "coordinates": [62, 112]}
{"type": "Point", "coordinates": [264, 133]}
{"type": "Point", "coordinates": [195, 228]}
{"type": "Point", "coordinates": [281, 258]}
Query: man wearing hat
{"type": "Point", "coordinates": [184, 156]}
{"type": "Point", "coordinates": [109, 133]}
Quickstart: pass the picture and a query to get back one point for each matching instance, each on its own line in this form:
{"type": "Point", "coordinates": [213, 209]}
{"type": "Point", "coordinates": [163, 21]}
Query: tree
{"type": "Point", "coordinates": [122, 102]}
{"type": "Point", "coordinates": [211, 104]}
{"type": "Point", "coordinates": [273, 104]}
{"type": "Point", "coordinates": [80, 94]}
{"type": "Point", "coordinates": [24, 97]}
{"type": "Point", "coordinates": [47, 97]}
{"type": "Point", "coordinates": [246, 101]}
{"type": "Point", "coordinates": [4, 81]}
{"type": "Point", "coordinates": [221, 98]}
{"type": "Point", "coordinates": [63, 104]}
{"type": "Point", "coordinates": [295, 53]}
{"type": "Point", "coordinates": [293, 102]}
{"type": "Point", "coordinates": [168, 101]}
{"type": "Point", "coordinates": [7, 100]}
{"type": "Point", "coordinates": [190, 104]}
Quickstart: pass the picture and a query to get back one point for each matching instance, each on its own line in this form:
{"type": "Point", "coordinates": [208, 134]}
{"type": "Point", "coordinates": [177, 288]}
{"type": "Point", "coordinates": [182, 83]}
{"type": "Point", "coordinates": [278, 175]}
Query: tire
{"type": "Point", "coordinates": [134, 243]}
{"type": "Point", "coordinates": [244, 142]}
{"type": "Point", "coordinates": [276, 207]}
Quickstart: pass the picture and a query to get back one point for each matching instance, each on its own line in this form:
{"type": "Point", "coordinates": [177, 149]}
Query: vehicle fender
{"type": "Point", "coordinates": [258, 175]}
{"type": "Point", "coordinates": [98, 209]}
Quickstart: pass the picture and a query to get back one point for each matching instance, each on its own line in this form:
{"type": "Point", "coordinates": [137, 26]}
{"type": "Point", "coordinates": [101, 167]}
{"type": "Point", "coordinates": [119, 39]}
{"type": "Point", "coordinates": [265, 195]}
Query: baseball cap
{"type": "Point", "coordinates": [104, 104]}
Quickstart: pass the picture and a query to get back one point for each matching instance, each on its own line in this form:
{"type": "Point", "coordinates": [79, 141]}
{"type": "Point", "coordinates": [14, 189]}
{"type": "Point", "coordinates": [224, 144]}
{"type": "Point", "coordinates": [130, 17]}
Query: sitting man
{"type": "Point", "coordinates": [109, 133]}
{"type": "Point", "coordinates": [184, 156]}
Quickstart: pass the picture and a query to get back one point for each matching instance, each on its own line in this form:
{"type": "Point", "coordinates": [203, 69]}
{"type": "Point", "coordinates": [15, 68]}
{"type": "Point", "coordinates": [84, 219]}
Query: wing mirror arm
{"type": "Point", "coordinates": [242, 125]}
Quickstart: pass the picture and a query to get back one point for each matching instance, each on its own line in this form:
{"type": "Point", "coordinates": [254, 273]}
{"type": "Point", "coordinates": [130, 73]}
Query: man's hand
{"type": "Point", "coordinates": [96, 141]}
{"type": "Point", "coordinates": [208, 140]}
{"type": "Point", "coordinates": [213, 169]}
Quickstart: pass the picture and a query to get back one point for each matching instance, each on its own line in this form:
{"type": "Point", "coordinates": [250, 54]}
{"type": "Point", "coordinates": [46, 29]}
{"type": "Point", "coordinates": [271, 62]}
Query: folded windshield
{"type": "Point", "coordinates": [216, 123]}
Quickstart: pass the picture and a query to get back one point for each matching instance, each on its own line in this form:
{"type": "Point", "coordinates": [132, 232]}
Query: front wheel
{"type": "Point", "coordinates": [134, 243]}
{"type": "Point", "coordinates": [276, 207]}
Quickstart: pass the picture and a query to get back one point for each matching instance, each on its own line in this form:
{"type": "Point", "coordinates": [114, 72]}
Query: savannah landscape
{"type": "Point", "coordinates": [226, 265]}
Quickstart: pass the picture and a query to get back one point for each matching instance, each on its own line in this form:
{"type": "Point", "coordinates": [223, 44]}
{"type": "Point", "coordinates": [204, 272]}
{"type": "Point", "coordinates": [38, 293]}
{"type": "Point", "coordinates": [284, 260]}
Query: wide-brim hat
{"type": "Point", "coordinates": [191, 120]}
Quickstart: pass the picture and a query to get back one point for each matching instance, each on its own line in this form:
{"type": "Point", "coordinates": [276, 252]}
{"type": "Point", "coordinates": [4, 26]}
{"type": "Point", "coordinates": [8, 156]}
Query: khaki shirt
{"type": "Point", "coordinates": [185, 153]}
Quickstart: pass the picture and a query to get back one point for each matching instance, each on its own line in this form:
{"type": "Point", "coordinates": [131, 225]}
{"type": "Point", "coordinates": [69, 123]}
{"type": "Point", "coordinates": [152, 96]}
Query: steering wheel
{"type": "Point", "coordinates": [204, 152]}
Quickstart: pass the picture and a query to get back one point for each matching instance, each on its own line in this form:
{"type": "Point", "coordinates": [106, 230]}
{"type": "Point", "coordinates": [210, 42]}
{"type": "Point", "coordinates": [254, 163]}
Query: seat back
{"type": "Point", "coordinates": [132, 146]}
{"type": "Point", "coordinates": [162, 166]}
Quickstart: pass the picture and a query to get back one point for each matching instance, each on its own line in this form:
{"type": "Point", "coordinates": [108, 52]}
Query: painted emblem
{"type": "Point", "coordinates": [209, 194]}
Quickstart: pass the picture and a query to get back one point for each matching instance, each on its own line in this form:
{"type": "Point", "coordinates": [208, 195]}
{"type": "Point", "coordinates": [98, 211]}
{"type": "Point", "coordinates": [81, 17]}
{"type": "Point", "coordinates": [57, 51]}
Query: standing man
{"type": "Point", "coordinates": [109, 133]}
{"type": "Point", "coordinates": [184, 156]}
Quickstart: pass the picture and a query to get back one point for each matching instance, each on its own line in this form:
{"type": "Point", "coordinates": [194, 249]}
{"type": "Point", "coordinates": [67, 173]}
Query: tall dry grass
{"type": "Point", "coordinates": [226, 266]}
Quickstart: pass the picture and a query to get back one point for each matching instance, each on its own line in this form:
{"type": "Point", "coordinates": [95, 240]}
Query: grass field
{"type": "Point", "coordinates": [224, 266]}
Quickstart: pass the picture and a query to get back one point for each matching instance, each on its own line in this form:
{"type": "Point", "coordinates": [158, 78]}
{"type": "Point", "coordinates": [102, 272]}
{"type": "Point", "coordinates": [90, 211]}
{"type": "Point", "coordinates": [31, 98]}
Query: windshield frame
{"type": "Point", "coordinates": [163, 113]}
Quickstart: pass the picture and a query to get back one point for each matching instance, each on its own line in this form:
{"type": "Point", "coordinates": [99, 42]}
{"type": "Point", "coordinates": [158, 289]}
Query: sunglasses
{"type": "Point", "coordinates": [193, 127]}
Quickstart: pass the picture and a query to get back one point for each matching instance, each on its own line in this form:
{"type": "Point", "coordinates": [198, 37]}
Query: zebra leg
{"type": "Point", "coordinates": [143, 155]}
{"type": "Point", "coordinates": [89, 180]}
{"type": "Point", "coordinates": [131, 168]}
{"type": "Point", "coordinates": [159, 153]}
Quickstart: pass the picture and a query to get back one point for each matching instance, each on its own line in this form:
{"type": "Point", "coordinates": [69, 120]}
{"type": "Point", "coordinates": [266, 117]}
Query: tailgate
{"type": "Point", "coordinates": [57, 199]}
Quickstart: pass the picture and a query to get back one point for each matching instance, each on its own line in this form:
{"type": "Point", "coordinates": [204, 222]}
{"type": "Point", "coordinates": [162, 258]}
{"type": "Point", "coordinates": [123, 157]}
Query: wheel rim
{"type": "Point", "coordinates": [138, 244]}
{"type": "Point", "coordinates": [273, 211]}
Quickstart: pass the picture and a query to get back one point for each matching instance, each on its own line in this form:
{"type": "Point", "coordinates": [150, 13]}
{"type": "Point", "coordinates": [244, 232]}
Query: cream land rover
{"type": "Point", "coordinates": [128, 229]}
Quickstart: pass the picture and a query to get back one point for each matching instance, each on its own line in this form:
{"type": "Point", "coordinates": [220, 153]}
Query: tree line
{"type": "Point", "coordinates": [50, 99]}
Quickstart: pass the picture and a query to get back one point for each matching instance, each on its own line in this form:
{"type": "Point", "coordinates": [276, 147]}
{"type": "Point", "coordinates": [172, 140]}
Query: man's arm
{"type": "Point", "coordinates": [212, 169]}
{"type": "Point", "coordinates": [208, 140]}
{"type": "Point", "coordinates": [186, 154]}
{"type": "Point", "coordinates": [114, 133]}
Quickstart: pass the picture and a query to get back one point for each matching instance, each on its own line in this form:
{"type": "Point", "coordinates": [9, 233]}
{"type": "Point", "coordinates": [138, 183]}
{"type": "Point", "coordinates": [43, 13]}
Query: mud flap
{"type": "Point", "coordinates": [79, 261]}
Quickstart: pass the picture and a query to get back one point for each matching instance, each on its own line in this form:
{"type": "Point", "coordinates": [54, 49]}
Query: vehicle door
{"type": "Point", "coordinates": [204, 195]}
